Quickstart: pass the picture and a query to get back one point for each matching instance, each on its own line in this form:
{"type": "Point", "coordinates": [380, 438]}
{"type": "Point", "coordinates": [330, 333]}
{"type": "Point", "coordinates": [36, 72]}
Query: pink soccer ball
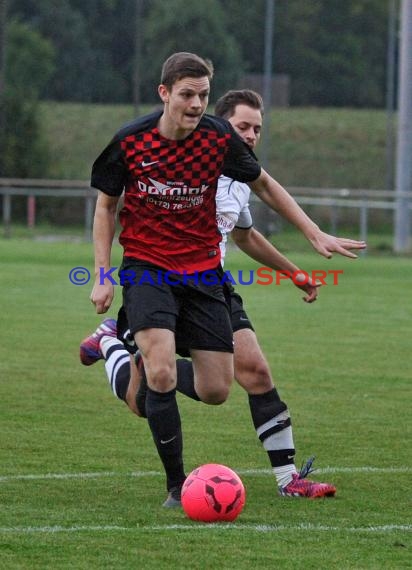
{"type": "Point", "coordinates": [213, 493]}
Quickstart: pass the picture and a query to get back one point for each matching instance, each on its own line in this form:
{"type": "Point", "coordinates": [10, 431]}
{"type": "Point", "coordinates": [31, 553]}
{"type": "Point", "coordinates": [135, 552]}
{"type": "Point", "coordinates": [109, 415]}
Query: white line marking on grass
{"type": "Point", "coordinates": [205, 527]}
{"type": "Point", "coordinates": [364, 470]}
{"type": "Point", "coordinates": [95, 475]}
{"type": "Point", "coordinates": [334, 470]}
{"type": "Point", "coordinates": [55, 529]}
{"type": "Point", "coordinates": [99, 474]}
{"type": "Point", "coordinates": [281, 527]}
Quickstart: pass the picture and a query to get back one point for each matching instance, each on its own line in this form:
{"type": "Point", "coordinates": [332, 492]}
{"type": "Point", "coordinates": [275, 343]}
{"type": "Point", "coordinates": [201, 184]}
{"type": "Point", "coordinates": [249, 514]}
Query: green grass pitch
{"type": "Point", "coordinates": [81, 484]}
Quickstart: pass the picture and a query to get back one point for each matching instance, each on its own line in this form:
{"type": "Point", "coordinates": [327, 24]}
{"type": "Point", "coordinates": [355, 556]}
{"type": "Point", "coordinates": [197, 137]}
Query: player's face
{"type": "Point", "coordinates": [247, 122]}
{"type": "Point", "coordinates": [184, 106]}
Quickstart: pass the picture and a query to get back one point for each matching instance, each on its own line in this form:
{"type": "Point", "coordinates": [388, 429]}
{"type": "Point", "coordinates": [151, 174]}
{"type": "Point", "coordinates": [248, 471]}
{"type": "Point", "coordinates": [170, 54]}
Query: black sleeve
{"type": "Point", "coordinates": [109, 171]}
{"type": "Point", "coordinates": [240, 162]}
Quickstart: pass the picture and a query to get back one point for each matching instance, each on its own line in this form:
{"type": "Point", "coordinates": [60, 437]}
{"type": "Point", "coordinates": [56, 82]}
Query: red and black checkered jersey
{"type": "Point", "coordinates": [169, 212]}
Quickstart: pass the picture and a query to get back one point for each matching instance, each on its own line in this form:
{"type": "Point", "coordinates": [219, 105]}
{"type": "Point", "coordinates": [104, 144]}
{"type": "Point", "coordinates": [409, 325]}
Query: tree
{"type": "Point", "coordinates": [334, 51]}
{"type": "Point", "coordinates": [337, 53]}
{"type": "Point", "coordinates": [89, 39]}
{"type": "Point", "coordinates": [200, 27]}
{"type": "Point", "coordinates": [29, 64]}
{"type": "Point", "coordinates": [3, 12]}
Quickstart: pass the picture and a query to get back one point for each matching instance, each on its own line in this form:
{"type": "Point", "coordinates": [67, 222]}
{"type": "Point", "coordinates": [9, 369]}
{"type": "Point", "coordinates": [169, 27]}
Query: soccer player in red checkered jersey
{"type": "Point", "coordinates": [168, 164]}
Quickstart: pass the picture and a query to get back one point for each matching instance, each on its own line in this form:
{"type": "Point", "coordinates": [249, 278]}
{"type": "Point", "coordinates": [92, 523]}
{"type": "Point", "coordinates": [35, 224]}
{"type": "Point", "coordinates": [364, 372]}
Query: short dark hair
{"type": "Point", "coordinates": [226, 105]}
{"type": "Point", "coordinates": [184, 64]}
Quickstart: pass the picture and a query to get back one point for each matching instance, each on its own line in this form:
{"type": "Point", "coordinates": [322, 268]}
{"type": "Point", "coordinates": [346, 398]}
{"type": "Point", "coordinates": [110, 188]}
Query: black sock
{"type": "Point", "coordinates": [142, 392]}
{"type": "Point", "coordinates": [186, 379]}
{"type": "Point", "coordinates": [164, 421]}
{"type": "Point", "coordinates": [273, 425]}
{"type": "Point", "coordinates": [122, 381]}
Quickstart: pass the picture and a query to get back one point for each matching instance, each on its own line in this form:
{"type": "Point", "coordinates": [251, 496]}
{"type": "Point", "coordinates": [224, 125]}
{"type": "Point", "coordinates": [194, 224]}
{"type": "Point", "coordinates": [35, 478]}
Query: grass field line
{"type": "Point", "coordinates": [213, 526]}
{"type": "Point", "coordinates": [99, 474]}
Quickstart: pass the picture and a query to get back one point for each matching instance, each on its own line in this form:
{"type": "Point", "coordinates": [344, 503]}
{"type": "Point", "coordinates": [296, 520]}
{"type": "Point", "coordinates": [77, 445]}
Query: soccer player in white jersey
{"type": "Point", "coordinates": [270, 415]}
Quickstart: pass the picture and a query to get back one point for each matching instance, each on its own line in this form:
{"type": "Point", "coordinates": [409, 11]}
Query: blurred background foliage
{"type": "Point", "coordinates": [71, 72]}
{"type": "Point", "coordinates": [82, 55]}
{"type": "Point", "coordinates": [333, 51]}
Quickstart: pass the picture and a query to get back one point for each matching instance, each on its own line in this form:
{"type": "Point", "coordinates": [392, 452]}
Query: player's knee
{"type": "Point", "coordinates": [215, 397]}
{"type": "Point", "coordinates": [161, 378]}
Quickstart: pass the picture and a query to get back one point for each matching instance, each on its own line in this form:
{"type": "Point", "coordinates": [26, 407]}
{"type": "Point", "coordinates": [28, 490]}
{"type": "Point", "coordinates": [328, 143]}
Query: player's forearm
{"type": "Point", "coordinates": [279, 200]}
{"type": "Point", "coordinates": [103, 233]}
{"type": "Point", "coordinates": [256, 246]}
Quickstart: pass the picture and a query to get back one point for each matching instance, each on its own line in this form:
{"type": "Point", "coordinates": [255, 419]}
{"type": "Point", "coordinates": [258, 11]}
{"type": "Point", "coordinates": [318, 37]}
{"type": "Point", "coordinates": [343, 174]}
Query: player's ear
{"type": "Point", "coordinates": [163, 93]}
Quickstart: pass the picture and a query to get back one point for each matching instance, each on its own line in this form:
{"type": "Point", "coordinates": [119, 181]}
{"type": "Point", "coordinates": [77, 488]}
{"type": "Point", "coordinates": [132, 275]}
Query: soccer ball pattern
{"type": "Point", "coordinates": [213, 493]}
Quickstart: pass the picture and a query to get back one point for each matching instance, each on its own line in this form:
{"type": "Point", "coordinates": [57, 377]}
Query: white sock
{"type": "Point", "coordinates": [284, 474]}
{"type": "Point", "coordinates": [107, 342]}
{"type": "Point", "coordinates": [282, 439]}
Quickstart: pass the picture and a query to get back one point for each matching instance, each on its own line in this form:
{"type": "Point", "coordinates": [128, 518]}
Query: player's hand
{"type": "Point", "coordinates": [102, 296]}
{"type": "Point", "coordinates": [308, 285]}
{"type": "Point", "coordinates": [326, 245]}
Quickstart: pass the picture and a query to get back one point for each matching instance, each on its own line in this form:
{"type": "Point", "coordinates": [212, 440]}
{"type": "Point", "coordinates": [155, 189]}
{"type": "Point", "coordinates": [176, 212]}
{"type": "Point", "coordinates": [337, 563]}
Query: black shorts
{"type": "Point", "coordinates": [239, 318]}
{"type": "Point", "coordinates": [194, 309]}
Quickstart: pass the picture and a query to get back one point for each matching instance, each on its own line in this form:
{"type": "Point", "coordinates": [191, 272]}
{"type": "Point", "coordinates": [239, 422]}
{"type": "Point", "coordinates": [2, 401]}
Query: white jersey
{"type": "Point", "coordinates": [232, 208]}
